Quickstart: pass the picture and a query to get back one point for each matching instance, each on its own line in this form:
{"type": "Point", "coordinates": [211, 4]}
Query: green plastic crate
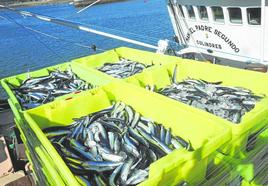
{"type": "Point", "coordinates": [113, 56]}
{"type": "Point", "coordinates": [88, 75]}
{"type": "Point", "coordinates": [43, 169]}
{"type": "Point", "coordinates": [252, 169]}
{"type": "Point", "coordinates": [253, 164]}
{"type": "Point", "coordinates": [178, 166]}
{"type": "Point", "coordinates": [259, 180]}
{"type": "Point", "coordinates": [251, 123]}
{"type": "Point", "coordinates": [219, 172]}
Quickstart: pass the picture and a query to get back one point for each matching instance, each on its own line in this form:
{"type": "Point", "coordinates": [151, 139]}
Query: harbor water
{"type": "Point", "coordinates": [28, 44]}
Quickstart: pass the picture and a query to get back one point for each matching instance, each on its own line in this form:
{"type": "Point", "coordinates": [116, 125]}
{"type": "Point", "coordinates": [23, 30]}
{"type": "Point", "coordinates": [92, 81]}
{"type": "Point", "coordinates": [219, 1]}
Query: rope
{"type": "Point", "coordinates": [92, 47]}
{"type": "Point", "coordinates": [44, 44]}
{"type": "Point", "coordinates": [84, 28]}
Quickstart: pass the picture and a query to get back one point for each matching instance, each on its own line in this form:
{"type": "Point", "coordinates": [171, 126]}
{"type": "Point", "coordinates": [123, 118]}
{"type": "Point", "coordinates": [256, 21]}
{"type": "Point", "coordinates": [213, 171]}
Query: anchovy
{"type": "Point", "coordinates": [168, 137]}
{"type": "Point", "coordinates": [135, 134]}
{"type": "Point", "coordinates": [35, 91]}
{"type": "Point", "coordinates": [100, 166]}
{"type": "Point", "coordinates": [112, 157]}
{"type": "Point", "coordinates": [114, 174]}
{"type": "Point", "coordinates": [114, 146]}
{"type": "Point", "coordinates": [123, 68]}
{"type": "Point", "coordinates": [57, 133]}
{"type": "Point", "coordinates": [227, 102]}
{"type": "Point", "coordinates": [126, 170]}
{"type": "Point", "coordinates": [65, 151]}
{"type": "Point", "coordinates": [174, 76]}
{"type": "Point", "coordinates": [83, 181]}
{"type": "Point", "coordinates": [137, 177]}
{"type": "Point", "coordinates": [117, 145]}
{"type": "Point", "coordinates": [175, 143]}
{"type": "Point", "coordinates": [84, 154]}
{"type": "Point", "coordinates": [99, 180]}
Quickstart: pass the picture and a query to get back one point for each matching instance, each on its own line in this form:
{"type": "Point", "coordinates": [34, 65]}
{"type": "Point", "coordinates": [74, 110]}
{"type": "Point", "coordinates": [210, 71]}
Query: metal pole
{"type": "Point", "coordinates": [79, 27]}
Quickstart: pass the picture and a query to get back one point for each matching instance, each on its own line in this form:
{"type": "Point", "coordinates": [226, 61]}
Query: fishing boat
{"type": "Point", "coordinates": [226, 32]}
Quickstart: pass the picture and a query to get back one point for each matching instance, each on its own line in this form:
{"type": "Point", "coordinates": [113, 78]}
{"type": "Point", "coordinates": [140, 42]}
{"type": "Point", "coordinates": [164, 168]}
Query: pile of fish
{"type": "Point", "coordinates": [227, 102]}
{"type": "Point", "coordinates": [123, 69]}
{"type": "Point", "coordinates": [114, 146]}
{"type": "Point", "coordinates": [34, 92]}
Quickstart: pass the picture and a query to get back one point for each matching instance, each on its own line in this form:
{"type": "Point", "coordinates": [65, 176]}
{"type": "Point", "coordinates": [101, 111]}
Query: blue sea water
{"type": "Point", "coordinates": [22, 50]}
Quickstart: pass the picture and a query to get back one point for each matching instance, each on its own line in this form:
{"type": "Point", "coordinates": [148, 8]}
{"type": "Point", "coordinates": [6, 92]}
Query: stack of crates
{"type": "Point", "coordinates": [221, 154]}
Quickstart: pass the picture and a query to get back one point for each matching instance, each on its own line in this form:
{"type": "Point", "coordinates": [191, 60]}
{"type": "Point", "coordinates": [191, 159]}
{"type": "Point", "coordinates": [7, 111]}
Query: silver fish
{"type": "Point", "coordinates": [35, 91]}
{"type": "Point", "coordinates": [116, 145]}
{"type": "Point", "coordinates": [212, 97]}
{"type": "Point", "coordinates": [123, 68]}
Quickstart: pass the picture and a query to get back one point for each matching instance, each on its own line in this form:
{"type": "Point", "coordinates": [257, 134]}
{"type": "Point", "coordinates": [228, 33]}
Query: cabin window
{"type": "Point", "coordinates": [203, 13]}
{"type": "Point", "coordinates": [190, 11]}
{"type": "Point", "coordinates": [254, 16]}
{"type": "Point", "coordinates": [235, 15]}
{"type": "Point", "coordinates": [218, 14]}
{"type": "Point", "coordinates": [180, 10]}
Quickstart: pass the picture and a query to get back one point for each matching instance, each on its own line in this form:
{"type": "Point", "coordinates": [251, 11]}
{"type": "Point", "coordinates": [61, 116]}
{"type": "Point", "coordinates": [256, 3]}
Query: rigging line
{"type": "Point", "coordinates": [61, 39]}
{"type": "Point", "coordinates": [50, 49]}
{"type": "Point", "coordinates": [148, 38]}
{"type": "Point", "coordinates": [81, 27]}
{"type": "Point", "coordinates": [58, 38]}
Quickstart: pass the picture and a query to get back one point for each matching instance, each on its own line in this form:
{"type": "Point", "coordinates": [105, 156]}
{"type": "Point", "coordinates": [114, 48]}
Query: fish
{"type": "Point", "coordinates": [99, 180]}
{"type": "Point", "coordinates": [126, 170]}
{"type": "Point", "coordinates": [114, 174]}
{"type": "Point", "coordinates": [227, 102]}
{"type": "Point", "coordinates": [137, 177]}
{"type": "Point", "coordinates": [100, 166]}
{"type": "Point", "coordinates": [113, 146]}
{"type": "Point", "coordinates": [35, 91]}
{"type": "Point", "coordinates": [83, 181]}
{"type": "Point", "coordinates": [123, 68]}
{"type": "Point", "coordinates": [174, 76]}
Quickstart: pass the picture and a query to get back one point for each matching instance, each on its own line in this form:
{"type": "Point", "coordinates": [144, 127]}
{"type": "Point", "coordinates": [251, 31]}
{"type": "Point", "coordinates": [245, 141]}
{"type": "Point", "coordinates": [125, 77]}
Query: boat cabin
{"type": "Point", "coordinates": [226, 29]}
